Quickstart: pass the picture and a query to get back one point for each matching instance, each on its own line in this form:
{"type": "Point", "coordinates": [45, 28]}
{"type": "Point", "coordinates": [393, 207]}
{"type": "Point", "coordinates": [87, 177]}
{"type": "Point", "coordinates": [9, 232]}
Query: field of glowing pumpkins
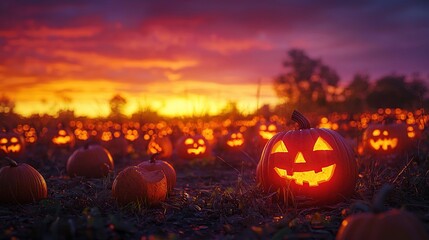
{"type": "Point", "coordinates": [302, 176]}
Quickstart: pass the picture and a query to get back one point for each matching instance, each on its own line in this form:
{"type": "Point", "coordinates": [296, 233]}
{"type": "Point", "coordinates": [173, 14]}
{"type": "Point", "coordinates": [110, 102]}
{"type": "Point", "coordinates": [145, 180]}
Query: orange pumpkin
{"type": "Point", "coordinates": [153, 165]}
{"type": "Point", "coordinates": [192, 147]}
{"type": "Point", "coordinates": [12, 144]}
{"type": "Point", "coordinates": [385, 138]}
{"type": "Point", "coordinates": [160, 145]}
{"type": "Point", "coordinates": [61, 137]}
{"type": "Point", "coordinates": [137, 185]}
{"type": "Point", "coordinates": [91, 161]}
{"type": "Point", "coordinates": [393, 224]}
{"type": "Point", "coordinates": [310, 162]}
{"type": "Point", "coordinates": [21, 183]}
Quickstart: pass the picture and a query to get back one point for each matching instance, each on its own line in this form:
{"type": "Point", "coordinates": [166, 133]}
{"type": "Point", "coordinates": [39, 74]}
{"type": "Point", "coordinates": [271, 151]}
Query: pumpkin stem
{"type": "Point", "coordinates": [300, 119]}
{"type": "Point", "coordinates": [153, 157]}
{"type": "Point", "coordinates": [11, 162]}
{"type": "Point", "coordinates": [380, 197]}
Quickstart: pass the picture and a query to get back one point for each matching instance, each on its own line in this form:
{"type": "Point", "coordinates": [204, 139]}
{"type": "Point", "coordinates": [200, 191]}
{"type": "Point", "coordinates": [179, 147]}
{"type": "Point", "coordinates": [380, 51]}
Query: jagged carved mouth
{"type": "Point", "coordinates": [311, 177]}
{"type": "Point", "coordinates": [197, 151]}
{"type": "Point", "coordinates": [384, 143]}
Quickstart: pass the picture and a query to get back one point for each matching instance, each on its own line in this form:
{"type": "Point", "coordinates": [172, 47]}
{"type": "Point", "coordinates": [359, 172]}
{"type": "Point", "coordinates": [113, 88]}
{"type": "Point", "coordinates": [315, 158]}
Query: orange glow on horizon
{"type": "Point", "coordinates": [174, 98]}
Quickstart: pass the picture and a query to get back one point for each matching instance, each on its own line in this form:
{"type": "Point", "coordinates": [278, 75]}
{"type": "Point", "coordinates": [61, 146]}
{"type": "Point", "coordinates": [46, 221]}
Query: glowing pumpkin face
{"type": "Point", "coordinates": [235, 140]}
{"type": "Point", "coordinates": [12, 144]}
{"type": "Point", "coordinates": [267, 130]}
{"type": "Point", "coordinates": [307, 171]}
{"type": "Point", "coordinates": [161, 145]}
{"type": "Point", "coordinates": [190, 147]}
{"type": "Point", "coordinates": [311, 162]}
{"type": "Point", "coordinates": [388, 138]}
{"type": "Point", "coordinates": [63, 138]}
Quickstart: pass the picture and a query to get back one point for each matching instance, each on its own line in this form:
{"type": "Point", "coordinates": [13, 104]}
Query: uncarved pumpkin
{"type": "Point", "coordinates": [310, 162]}
{"type": "Point", "coordinates": [91, 161]}
{"type": "Point", "coordinates": [21, 183]}
{"type": "Point", "coordinates": [391, 224]}
{"type": "Point", "coordinates": [167, 168]}
{"type": "Point", "coordinates": [137, 185]}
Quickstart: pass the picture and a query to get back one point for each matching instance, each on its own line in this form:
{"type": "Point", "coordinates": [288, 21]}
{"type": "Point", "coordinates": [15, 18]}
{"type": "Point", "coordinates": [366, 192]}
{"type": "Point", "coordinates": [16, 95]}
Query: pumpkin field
{"type": "Point", "coordinates": [300, 176]}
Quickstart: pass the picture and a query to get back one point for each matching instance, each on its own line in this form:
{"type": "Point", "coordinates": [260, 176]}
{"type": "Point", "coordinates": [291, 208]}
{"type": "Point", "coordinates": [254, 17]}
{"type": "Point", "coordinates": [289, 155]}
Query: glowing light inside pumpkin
{"type": "Point", "coordinates": [267, 132]}
{"type": "Point", "coordinates": [383, 143]}
{"type": "Point", "coordinates": [311, 177]}
{"type": "Point", "coordinates": [235, 140]}
{"type": "Point", "coordinates": [197, 148]}
{"type": "Point", "coordinates": [62, 138]}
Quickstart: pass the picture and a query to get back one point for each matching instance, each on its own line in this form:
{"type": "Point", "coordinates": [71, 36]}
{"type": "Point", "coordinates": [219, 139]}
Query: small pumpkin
{"type": "Point", "coordinates": [137, 185]}
{"type": "Point", "coordinates": [21, 183]}
{"type": "Point", "coordinates": [61, 137]}
{"type": "Point", "coordinates": [309, 162]}
{"type": "Point", "coordinates": [391, 224]}
{"type": "Point", "coordinates": [164, 166]}
{"type": "Point", "coordinates": [385, 138]}
{"type": "Point", "coordinates": [160, 145]}
{"type": "Point", "coordinates": [92, 161]}
{"type": "Point", "coordinates": [12, 144]}
{"type": "Point", "coordinates": [192, 147]}
{"type": "Point", "coordinates": [234, 141]}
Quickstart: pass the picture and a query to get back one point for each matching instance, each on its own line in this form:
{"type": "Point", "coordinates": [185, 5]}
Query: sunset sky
{"type": "Point", "coordinates": [191, 56]}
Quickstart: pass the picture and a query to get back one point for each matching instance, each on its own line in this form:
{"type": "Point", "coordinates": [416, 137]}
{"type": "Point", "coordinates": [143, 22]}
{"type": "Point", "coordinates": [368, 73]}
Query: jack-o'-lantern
{"type": "Point", "coordinates": [266, 130]}
{"type": "Point", "coordinates": [61, 137]}
{"type": "Point", "coordinates": [385, 138]}
{"type": "Point", "coordinates": [234, 141]}
{"type": "Point", "coordinates": [192, 147]}
{"type": "Point", "coordinates": [311, 162]}
{"type": "Point", "coordinates": [160, 145]}
{"type": "Point", "coordinates": [12, 144]}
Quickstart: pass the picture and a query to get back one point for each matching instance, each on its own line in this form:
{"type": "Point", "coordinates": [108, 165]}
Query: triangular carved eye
{"type": "Point", "coordinates": [322, 145]}
{"type": "Point", "coordinates": [279, 147]}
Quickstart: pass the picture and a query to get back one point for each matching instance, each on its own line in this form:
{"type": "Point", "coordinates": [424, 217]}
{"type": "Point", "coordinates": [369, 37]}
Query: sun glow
{"type": "Point", "coordinates": [172, 98]}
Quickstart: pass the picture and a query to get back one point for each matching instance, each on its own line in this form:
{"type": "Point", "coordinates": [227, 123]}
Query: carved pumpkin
{"type": "Point", "coordinates": [266, 130]}
{"type": "Point", "coordinates": [92, 161]}
{"type": "Point", "coordinates": [137, 185]}
{"type": "Point", "coordinates": [233, 141]}
{"type": "Point", "coordinates": [161, 145]}
{"type": "Point", "coordinates": [310, 162]}
{"type": "Point", "coordinates": [390, 224]}
{"type": "Point", "coordinates": [385, 138]}
{"type": "Point", "coordinates": [192, 147]}
{"type": "Point", "coordinates": [61, 137]}
{"type": "Point", "coordinates": [21, 183]}
{"type": "Point", "coordinates": [12, 144]}
{"type": "Point", "coordinates": [164, 166]}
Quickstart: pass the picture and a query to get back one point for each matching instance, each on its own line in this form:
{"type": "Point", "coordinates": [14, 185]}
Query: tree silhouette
{"type": "Point", "coordinates": [394, 91]}
{"type": "Point", "coordinates": [117, 105]}
{"type": "Point", "coordinates": [308, 83]}
{"type": "Point", "coordinates": [356, 93]}
{"type": "Point", "coordinates": [7, 105]}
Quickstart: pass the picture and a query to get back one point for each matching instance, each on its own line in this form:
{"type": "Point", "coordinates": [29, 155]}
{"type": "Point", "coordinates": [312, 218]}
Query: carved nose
{"type": "Point", "coordinates": [299, 158]}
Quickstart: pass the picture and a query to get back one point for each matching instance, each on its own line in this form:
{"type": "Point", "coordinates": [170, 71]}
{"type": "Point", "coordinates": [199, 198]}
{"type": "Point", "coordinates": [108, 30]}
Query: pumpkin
{"type": "Point", "coordinates": [115, 143]}
{"type": "Point", "coordinates": [164, 166]}
{"type": "Point", "coordinates": [161, 145]}
{"type": "Point", "coordinates": [310, 162]}
{"type": "Point", "coordinates": [62, 137]}
{"type": "Point", "coordinates": [137, 185]}
{"type": "Point", "coordinates": [92, 161]}
{"type": "Point", "coordinates": [12, 144]}
{"type": "Point", "coordinates": [233, 141]}
{"type": "Point", "coordinates": [192, 147]}
{"type": "Point", "coordinates": [266, 130]}
{"type": "Point", "coordinates": [21, 183]}
{"type": "Point", "coordinates": [391, 224]}
{"type": "Point", "coordinates": [385, 138]}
